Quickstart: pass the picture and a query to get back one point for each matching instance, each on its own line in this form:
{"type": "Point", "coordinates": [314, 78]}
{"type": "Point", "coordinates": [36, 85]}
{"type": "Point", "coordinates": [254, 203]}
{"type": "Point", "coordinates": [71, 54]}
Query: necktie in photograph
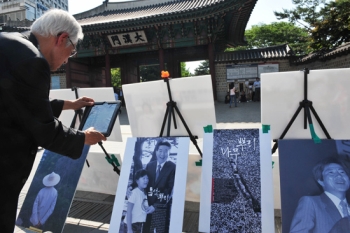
{"type": "Point", "coordinates": [157, 172]}
{"type": "Point", "coordinates": [344, 207]}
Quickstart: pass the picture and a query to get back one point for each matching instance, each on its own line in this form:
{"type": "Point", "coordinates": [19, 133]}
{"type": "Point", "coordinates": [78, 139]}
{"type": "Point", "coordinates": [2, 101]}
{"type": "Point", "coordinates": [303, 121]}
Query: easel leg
{"type": "Point", "coordinates": [320, 122]}
{"type": "Point", "coordinates": [193, 139]}
{"type": "Point", "coordinates": [164, 120]}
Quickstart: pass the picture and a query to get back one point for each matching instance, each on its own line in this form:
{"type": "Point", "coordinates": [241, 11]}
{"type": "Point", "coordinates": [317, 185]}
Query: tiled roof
{"type": "Point", "coordinates": [273, 52]}
{"type": "Point", "coordinates": [325, 54]}
{"type": "Point", "coordinates": [170, 8]}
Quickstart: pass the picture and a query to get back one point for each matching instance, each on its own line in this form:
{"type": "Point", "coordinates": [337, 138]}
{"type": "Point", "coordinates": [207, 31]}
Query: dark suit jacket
{"type": "Point", "coordinates": [315, 214]}
{"type": "Point", "coordinates": [342, 226]}
{"type": "Point", "coordinates": [165, 182]}
{"type": "Point", "coordinates": [27, 118]}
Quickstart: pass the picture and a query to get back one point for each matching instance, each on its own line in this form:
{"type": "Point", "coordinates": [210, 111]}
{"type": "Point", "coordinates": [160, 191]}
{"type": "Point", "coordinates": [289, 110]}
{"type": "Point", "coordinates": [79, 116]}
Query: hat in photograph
{"type": "Point", "coordinates": [51, 179]}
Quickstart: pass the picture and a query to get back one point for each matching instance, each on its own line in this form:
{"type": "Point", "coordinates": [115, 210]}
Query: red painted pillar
{"type": "Point", "coordinates": [161, 60]}
{"type": "Point", "coordinates": [212, 68]}
{"type": "Point", "coordinates": [108, 71]}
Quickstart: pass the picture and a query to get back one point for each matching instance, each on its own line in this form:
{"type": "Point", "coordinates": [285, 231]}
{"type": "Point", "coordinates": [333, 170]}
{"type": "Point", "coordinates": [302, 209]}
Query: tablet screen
{"type": "Point", "coordinates": [101, 116]}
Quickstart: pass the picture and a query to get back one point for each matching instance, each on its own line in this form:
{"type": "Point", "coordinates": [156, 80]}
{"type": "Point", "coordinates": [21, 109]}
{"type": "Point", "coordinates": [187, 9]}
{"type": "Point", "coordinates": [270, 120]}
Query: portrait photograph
{"type": "Point", "coordinates": [152, 186]}
{"type": "Point", "coordinates": [51, 192]}
{"type": "Point", "coordinates": [236, 202]}
{"type": "Point", "coordinates": [315, 185]}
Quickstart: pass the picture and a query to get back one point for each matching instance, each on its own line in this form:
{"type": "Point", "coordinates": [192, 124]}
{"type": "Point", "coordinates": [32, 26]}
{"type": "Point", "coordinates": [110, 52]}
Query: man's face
{"type": "Point", "coordinates": [335, 179]}
{"type": "Point", "coordinates": [61, 52]}
{"type": "Point", "coordinates": [162, 154]}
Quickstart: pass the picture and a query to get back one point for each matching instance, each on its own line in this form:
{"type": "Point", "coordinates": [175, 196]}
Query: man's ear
{"type": "Point", "coordinates": [61, 39]}
{"type": "Point", "coordinates": [320, 182]}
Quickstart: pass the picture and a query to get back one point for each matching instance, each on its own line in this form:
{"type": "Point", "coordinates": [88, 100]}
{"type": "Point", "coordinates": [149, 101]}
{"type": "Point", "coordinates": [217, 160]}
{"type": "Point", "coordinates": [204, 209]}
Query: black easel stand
{"type": "Point", "coordinates": [171, 105]}
{"type": "Point", "coordinates": [307, 106]}
{"type": "Point", "coordinates": [79, 113]}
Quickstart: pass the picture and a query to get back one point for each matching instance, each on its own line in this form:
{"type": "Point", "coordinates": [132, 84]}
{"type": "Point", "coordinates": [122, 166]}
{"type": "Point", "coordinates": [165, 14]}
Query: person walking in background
{"type": "Point", "coordinates": [45, 201]}
{"type": "Point", "coordinates": [256, 88]}
{"type": "Point", "coordinates": [232, 90]}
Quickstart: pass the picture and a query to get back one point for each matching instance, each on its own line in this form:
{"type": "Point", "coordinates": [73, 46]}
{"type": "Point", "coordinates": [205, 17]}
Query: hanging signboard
{"type": "Point", "coordinates": [267, 68]}
{"type": "Point", "coordinates": [245, 71]}
{"type": "Point", "coordinates": [127, 39]}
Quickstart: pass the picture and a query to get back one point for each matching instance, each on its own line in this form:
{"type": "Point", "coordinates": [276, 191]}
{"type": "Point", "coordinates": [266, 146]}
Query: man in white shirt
{"type": "Point", "coordinates": [320, 213]}
{"type": "Point", "coordinates": [45, 201]}
{"type": "Point", "coordinates": [256, 88]}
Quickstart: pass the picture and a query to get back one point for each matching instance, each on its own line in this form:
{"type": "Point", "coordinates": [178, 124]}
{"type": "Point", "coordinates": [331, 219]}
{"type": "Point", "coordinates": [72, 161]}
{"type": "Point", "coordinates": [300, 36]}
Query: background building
{"type": "Point", "coordinates": [21, 13]}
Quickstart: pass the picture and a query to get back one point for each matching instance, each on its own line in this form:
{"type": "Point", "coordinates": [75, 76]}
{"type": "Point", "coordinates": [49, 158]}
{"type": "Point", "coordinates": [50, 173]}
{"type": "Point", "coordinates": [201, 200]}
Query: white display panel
{"type": "Point", "coordinates": [98, 94]}
{"type": "Point", "coordinates": [327, 89]}
{"type": "Point", "coordinates": [147, 103]}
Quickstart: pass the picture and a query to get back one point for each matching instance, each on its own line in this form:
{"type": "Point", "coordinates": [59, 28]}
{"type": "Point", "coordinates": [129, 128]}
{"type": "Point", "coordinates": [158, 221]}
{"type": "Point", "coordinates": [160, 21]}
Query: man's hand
{"type": "Point", "coordinates": [78, 103]}
{"type": "Point", "coordinates": [92, 136]}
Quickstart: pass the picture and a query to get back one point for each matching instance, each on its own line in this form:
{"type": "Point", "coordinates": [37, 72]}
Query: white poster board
{"type": "Point", "coordinates": [91, 177]}
{"type": "Point", "coordinates": [141, 149]}
{"type": "Point", "coordinates": [327, 89]}
{"type": "Point", "coordinates": [231, 199]}
{"type": "Point", "coordinates": [146, 104]}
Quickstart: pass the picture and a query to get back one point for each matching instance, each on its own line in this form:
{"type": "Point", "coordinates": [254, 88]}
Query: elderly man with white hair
{"type": "Point", "coordinates": [28, 118]}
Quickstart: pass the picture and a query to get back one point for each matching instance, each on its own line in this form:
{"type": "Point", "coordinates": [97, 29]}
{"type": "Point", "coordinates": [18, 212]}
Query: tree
{"type": "Point", "coordinates": [334, 29]}
{"type": "Point", "coordinates": [116, 77]}
{"type": "Point", "coordinates": [185, 72]}
{"type": "Point", "coordinates": [149, 73]}
{"type": "Point", "coordinates": [276, 33]}
{"type": "Point", "coordinates": [202, 69]}
{"type": "Point", "coordinates": [327, 23]}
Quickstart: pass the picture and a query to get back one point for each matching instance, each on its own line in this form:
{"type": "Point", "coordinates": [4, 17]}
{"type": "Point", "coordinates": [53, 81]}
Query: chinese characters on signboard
{"type": "Point", "coordinates": [127, 39]}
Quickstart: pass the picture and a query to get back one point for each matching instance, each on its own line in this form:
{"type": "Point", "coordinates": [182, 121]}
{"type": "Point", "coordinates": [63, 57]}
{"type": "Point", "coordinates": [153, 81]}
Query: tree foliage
{"type": "Point", "coordinates": [328, 22]}
{"type": "Point", "coordinates": [276, 33]}
{"type": "Point", "coordinates": [202, 69]}
{"type": "Point", "coordinates": [334, 29]}
{"type": "Point", "coordinates": [116, 77]}
{"type": "Point", "coordinates": [150, 73]}
{"type": "Point", "coordinates": [185, 72]}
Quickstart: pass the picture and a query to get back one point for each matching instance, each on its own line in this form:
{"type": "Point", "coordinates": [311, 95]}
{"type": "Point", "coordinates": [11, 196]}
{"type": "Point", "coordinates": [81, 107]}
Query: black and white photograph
{"type": "Point", "coordinates": [51, 192]}
{"type": "Point", "coordinates": [236, 194]}
{"type": "Point", "coordinates": [151, 181]}
{"type": "Point", "coordinates": [315, 185]}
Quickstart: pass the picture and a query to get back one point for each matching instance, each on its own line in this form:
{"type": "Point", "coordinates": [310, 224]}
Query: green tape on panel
{"type": "Point", "coordinates": [113, 160]}
{"type": "Point", "coordinates": [265, 128]}
{"type": "Point", "coordinates": [199, 163]}
{"type": "Point", "coordinates": [208, 129]}
{"type": "Point", "coordinates": [313, 134]}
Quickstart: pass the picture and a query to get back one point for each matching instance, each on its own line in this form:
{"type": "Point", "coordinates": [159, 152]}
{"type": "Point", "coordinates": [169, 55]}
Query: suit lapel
{"type": "Point", "coordinates": [330, 207]}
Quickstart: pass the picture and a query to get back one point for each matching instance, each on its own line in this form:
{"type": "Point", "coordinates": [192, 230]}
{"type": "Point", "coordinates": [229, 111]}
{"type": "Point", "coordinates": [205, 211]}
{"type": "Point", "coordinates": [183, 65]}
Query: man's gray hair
{"type": "Point", "coordinates": [56, 21]}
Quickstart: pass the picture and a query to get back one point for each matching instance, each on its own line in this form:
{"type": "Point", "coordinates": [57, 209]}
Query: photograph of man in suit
{"type": "Point", "coordinates": [159, 190]}
{"type": "Point", "coordinates": [320, 213]}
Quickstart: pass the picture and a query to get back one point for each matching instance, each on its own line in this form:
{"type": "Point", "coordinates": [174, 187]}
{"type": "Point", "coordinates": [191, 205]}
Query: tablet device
{"type": "Point", "coordinates": [101, 116]}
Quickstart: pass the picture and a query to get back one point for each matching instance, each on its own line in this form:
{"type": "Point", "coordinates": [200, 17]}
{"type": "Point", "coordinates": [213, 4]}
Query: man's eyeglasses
{"type": "Point", "coordinates": [74, 51]}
